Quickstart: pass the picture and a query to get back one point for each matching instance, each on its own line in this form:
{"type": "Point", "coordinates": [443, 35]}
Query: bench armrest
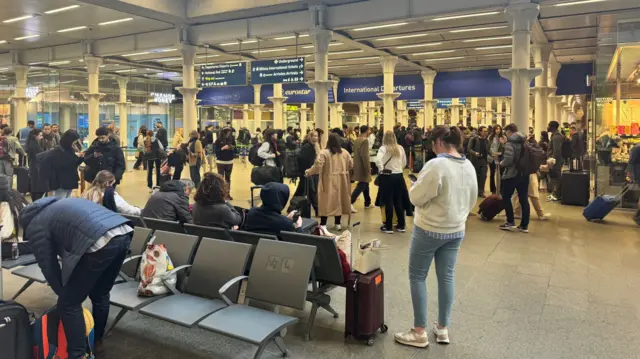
{"type": "Point", "coordinates": [170, 273]}
{"type": "Point", "coordinates": [129, 259]}
{"type": "Point", "coordinates": [228, 285]}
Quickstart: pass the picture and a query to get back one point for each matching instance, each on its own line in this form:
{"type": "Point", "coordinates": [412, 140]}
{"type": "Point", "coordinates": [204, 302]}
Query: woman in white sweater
{"type": "Point", "coordinates": [444, 194]}
{"type": "Point", "coordinates": [103, 193]}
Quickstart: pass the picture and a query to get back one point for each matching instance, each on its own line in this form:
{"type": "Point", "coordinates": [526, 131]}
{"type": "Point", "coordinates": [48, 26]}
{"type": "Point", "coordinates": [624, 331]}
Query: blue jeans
{"type": "Point", "coordinates": [424, 248]}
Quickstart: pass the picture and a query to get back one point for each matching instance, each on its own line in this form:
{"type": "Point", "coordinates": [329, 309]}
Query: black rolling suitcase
{"type": "Point", "coordinates": [364, 306]}
{"type": "Point", "coordinates": [15, 331]}
{"type": "Point", "coordinates": [575, 188]}
{"type": "Point", "coordinates": [22, 174]}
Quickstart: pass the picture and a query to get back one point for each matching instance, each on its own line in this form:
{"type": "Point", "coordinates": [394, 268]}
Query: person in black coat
{"type": "Point", "coordinates": [267, 219]}
{"type": "Point", "coordinates": [92, 243]}
{"type": "Point", "coordinates": [171, 203]}
{"type": "Point", "coordinates": [153, 155]}
{"type": "Point", "coordinates": [63, 164]}
{"type": "Point", "coordinates": [38, 184]}
{"type": "Point", "coordinates": [161, 135]}
{"type": "Point", "coordinates": [308, 153]}
{"type": "Point", "coordinates": [225, 150]}
{"type": "Point", "coordinates": [104, 154]}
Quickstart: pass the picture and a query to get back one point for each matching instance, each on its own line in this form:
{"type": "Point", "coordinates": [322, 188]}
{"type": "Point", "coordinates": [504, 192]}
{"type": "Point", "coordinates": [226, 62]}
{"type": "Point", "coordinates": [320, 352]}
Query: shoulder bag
{"type": "Point", "coordinates": [384, 172]}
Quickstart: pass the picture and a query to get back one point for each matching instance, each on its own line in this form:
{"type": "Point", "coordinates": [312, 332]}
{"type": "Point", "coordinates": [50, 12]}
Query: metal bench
{"type": "Point", "coordinates": [136, 220]}
{"type": "Point", "coordinates": [162, 225]}
{"type": "Point", "coordinates": [207, 232]}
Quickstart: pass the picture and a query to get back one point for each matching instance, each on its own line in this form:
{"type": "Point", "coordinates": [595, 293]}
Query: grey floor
{"type": "Point", "coordinates": [568, 289]}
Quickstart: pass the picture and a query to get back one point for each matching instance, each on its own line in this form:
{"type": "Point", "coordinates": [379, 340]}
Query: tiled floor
{"type": "Point", "coordinates": [568, 289]}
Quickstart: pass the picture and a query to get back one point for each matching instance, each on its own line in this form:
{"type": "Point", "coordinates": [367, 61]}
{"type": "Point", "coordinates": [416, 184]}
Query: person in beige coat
{"type": "Point", "coordinates": [361, 169]}
{"type": "Point", "coordinates": [333, 166]}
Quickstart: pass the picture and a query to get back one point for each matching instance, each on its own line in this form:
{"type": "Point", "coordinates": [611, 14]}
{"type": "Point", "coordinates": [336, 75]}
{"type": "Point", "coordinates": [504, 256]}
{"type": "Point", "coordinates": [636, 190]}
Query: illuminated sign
{"type": "Point", "coordinates": [277, 71]}
{"type": "Point", "coordinates": [226, 74]}
{"type": "Point", "coordinates": [163, 97]}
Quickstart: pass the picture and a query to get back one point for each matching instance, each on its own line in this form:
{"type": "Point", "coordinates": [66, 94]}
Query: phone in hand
{"type": "Point", "coordinates": [296, 215]}
{"type": "Point", "coordinates": [412, 177]}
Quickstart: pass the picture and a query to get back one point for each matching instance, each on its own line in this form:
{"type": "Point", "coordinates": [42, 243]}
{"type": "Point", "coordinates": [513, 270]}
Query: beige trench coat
{"type": "Point", "coordinates": [361, 161]}
{"type": "Point", "coordinates": [334, 186]}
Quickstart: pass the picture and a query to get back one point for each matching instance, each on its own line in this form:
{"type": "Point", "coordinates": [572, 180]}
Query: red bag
{"type": "Point", "coordinates": [346, 267]}
{"type": "Point", "coordinates": [364, 312]}
{"type": "Point", "coordinates": [491, 207]}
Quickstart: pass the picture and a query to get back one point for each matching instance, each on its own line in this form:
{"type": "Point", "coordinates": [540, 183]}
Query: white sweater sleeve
{"type": "Point", "coordinates": [263, 152]}
{"type": "Point", "coordinates": [426, 187]}
{"type": "Point", "coordinates": [124, 207]}
{"type": "Point", "coordinates": [382, 151]}
{"type": "Point", "coordinates": [404, 157]}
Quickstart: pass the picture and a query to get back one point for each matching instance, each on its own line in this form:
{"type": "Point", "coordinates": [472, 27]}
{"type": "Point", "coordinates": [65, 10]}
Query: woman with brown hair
{"type": "Point", "coordinates": [153, 152]}
{"type": "Point", "coordinates": [103, 193]}
{"type": "Point", "coordinates": [211, 207]}
{"type": "Point", "coordinates": [333, 165]}
{"type": "Point", "coordinates": [196, 156]}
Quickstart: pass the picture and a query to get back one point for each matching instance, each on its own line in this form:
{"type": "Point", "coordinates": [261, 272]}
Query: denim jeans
{"type": "Point", "coordinates": [93, 276]}
{"type": "Point", "coordinates": [361, 187]}
{"type": "Point", "coordinates": [62, 193]}
{"type": "Point", "coordinates": [520, 184]}
{"type": "Point", "coordinates": [424, 249]}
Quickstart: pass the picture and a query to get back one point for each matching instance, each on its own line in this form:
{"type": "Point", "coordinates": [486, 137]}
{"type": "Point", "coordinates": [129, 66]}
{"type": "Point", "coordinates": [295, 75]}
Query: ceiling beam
{"type": "Point", "coordinates": [169, 11]}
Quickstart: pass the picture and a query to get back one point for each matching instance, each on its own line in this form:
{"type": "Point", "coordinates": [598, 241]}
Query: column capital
{"type": "Point", "coordinates": [93, 64]}
{"type": "Point", "coordinates": [122, 81]}
{"type": "Point", "coordinates": [541, 53]}
{"type": "Point", "coordinates": [554, 68]}
{"type": "Point", "coordinates": [257, 87]}
{"type": "Point", "coordinates": [274, 99]}
{"type": "Point", "coordinates": [429, 102]}
{"type": "Point", "coordinates": [188, 53]}
{"type": "Point", "coordinates": [186, 91]}
{"type": "Point", "coordinates": [18, 100]}
{"type": "Point", "coordinates": [521, 15]}
{"type": "Point", "coordinates": [388, 63]}
{"type": "Point", "coordinates": [428, 76]}
{"type": "Point", "coordinates": [319, 85]}
{"type": "Point", "coordinates": [321, 39]}
{"type": "Point", "coordinates": [510, 74]}
{"type": "Point", "coordinates": [391, 96]}
{"type": "Point", "coordinates": [21, 71]}
{"type": "Point", "coordinates": [90, 96]}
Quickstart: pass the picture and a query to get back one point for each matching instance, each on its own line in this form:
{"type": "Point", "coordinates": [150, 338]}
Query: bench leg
{"type": "Point", "coordinates": [23, 288]}
{"type": "Point", "coordinates": [260, 350]}
{"type": "Point", "coordinates": [328, 308]}
{"type": "Point", "coordinates": [121, 314]}
{"type": "Point", "coordinates": [312, 319]}
{"type": "Point", "coordinates": [280, 343]}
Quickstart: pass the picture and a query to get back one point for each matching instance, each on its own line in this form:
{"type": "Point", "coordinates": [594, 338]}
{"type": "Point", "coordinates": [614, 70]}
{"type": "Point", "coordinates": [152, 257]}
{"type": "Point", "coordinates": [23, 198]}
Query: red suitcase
{"type": "Point", "coordinates": [490, 207]}
{"type": "Point", "coordinates": [365, 306]}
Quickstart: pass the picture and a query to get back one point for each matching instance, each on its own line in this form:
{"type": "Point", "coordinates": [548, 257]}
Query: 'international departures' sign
{"type": "Point", "coordinates": [226, 74]}
{"type": "Point", "coordinates": [359, 89]}
{"type": "Point", "coordinates": [285, 71]}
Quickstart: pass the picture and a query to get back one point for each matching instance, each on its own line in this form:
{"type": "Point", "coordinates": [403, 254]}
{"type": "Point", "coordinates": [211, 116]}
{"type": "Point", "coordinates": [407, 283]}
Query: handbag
{"type": "Point", "coordinates": [155, 271]}
{"type": "Point", "coordinates": [384, 172]}
{"type": "Point", "coordinates": [265, 174]}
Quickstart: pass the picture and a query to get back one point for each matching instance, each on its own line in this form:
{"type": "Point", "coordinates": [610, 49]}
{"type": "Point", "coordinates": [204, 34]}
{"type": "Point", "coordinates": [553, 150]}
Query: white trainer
{"type": "Point", "coordinates": [411, 338]}
{"type": "Point", "coordinates": [545, 217]}
{"type": "Point", "coordinates": [353, 209]}
{"type": "Point", "coordinates": [442, 335]}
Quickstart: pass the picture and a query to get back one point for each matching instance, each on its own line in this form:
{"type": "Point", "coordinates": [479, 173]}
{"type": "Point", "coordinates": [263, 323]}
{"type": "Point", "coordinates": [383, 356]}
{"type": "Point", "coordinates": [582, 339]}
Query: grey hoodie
{"type": "Point", "coordinates": [512, 153]}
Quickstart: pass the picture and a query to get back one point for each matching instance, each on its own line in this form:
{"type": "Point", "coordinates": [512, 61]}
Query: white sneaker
{"type": "Point", "coordinates": [337, 227]}
{"type": "Point", "coordinates": [442, 335]}
{"type": "Point", "coordinates": [150, 190]}
{"type": "Point", "coordinates": [545, 217]}
{"type": "Point", "coordinates": [353, 209]}
{"type": "Point", "coordinates": [411, 338]}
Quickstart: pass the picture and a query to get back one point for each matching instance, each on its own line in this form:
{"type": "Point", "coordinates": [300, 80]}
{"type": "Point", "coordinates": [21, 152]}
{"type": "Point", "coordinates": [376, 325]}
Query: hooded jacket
{"type": "Point", "coordinates": [65, 228]}
{"type": "Point", "coordinates": [111, 159]}
{"type": "Point", "coordinates": [169, 204]}
{"type": "Point", "coordinates": [512, 153]}
{"type": "Point", "coordinates": [267, 218]}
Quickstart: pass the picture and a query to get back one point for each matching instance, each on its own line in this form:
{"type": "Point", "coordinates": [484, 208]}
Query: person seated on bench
{"type": "Point", "coordinates": [92, 243]}
{"type": "Point", "coordinates": [171, 203]}
{"type": "Point", "coordinates": [211, 208]}
{"type": "Point", "coordinates": [103, 193]}
{"type": "Point", "coordinates": [268, 219]}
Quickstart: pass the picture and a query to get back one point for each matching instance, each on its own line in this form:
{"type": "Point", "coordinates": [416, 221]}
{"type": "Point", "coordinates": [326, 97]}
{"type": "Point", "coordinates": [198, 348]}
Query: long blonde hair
{"type": "Point", "coordinates": [95, 193]}
{"type": "Point", "coordinates": [391, 144]}
{"type": "Point", "coordinates": [316, 146]}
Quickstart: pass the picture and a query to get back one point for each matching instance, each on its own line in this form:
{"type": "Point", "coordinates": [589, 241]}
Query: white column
{"type": "Point", "coordinates": [507, 113]}
{"type": "Point", "coordinates": [465, 114]}
{"type": "Point", "coordinates": [541, 53]}
{"type": "Point", "coordinates": [552, 76]}
{"type": "Point", "coordinates": [428, 77]}
{"type": "Point", "coordinates": [277, 99]}
{"type": "Point", "coordinates": [20, 98]}
{"type": "Point", "coordinates": [455, 111]}
{"type": "Point", "coordinates": [618, 112]}
{"type": "Point", "coordinates": [560, 102]}
{"type": "Point", "coordinates": [335, 118]}
{"type": "Point", "coordinates": [257, 108]}
{"type": "Point", "coordinates": [93, 95]}
{"type": "Point", "coordinates": [189, 90]}
{"type": "Point", "coordinates": [388, 96]}
{"type": "Point", "coordinates": [499, 111]}
{"type": "Point", "coordinates": [531, 118]}
{"type": "Point", "coordinates": [321, 84]}
{"type": "Point", "coordinates": [122, 111]}
{"type": "Point", "coordinates": [488, 111]}
{"type": "Point", "coordinates": [372, 113]}
{"type": "Point", "coordinates": [440, 117]}
{"type": "Point", "coordinates": [65, 117]}
{"type": "Point", "coordinates": [521, 16]}
{"type": "Point", "coordinates": [304, 111]}
{"type": "Point", "coordinates": [363, 117]}
{"type": "Point", "coordinates": [401, 111]}
{"type": "Point", "coordinates": [474, 112]}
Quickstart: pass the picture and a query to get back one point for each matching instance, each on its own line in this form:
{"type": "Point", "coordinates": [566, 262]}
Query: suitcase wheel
{"type": "Point", "coordinates": [370, 342]}
{"type": "Point", "coordinates": [384, 328]}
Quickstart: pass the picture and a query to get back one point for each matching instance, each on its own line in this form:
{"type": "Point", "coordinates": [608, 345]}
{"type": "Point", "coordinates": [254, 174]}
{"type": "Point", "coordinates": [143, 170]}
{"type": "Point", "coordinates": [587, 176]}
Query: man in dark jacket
{"type": "Point", "coordinates": [514, 179]}
{"type": "Point", "coordinates": [92, 243]}
{"type": "Point", "coordinates": [478, 153]}
{"type": "Point", "coordinates": [267, 218]}
{"type": "Point", "coordinates": [291, 142]}
{"type": "Point", "coordinates": [161, 135]}
{"type": "Point", "coordinates": [555, 152]}
{"type": "Point", "coordinates": [171, 203]}
{"type": "Point", "coordinates": [104, 154]}
{"type": "Point", "coordinates": [577, 148]}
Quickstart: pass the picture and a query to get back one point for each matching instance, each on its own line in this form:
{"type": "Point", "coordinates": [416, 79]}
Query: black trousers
{"type": "Point", "coordinates": [140, 160]}
{"type": "Point", "coordinates": [150, 164]}
{"type": "Point", "coordinates": [177, 172]}
{"type": "Point", "coordinates": [324, 219]}
{"type": "Point", "coordinates": [520, 184]}
{"type": "Point", "coordinates": [224, 170]}
{"type": "Point", "coordinates": [492, 180]}
{"type": "Point", "coordinates": [391, 187]}
{"type": "Point", "coordinates": [481, 175]}
{"type": "Point", "coordinates": [194, 171]}
{"type": "Point", "coordinates": [361, 187]}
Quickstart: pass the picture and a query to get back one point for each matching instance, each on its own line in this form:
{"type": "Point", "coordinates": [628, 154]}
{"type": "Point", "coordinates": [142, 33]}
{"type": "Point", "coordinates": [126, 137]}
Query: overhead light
{"type": "Point", "coordinates": [25, 17]}
{"type": "Point", "coordinates": [489, 39]}
{"type": "Point", "coordinates": [4, 69]}
{"type": "Point", "coordinates": [238, 42]}
{"type": "Point", "coordinates": [269, 50]}
{"type": "Point", "coordinates": [505, 54]}
{"type": "Point", "coordinates": [335, 44]}
{"type": "Point", "coordinates": [466, 16]}
{"type": "Point", "coordinates": [67, 82]}
{"type": "Point", "coordinates": [400, 37]}
{"type": "Point", "coordinates": [73, 29]}
{"type": "Point", "coordinates": [434, 52]}
{"type": "Point", "coordinates": [3, 42]}
{"type": "Point", "coordinates": [337, 66]}
{"type": "Point", "coordinates": [310, 63]}
{"type": "Point", "coordinates": [166, 50]}
{"type": "Point", "coordinates": [478, 29]}
{"type": "Point", "coordinates": [376, 64]}
{"type": "Point", "coordinates": [580, 2]}
{"type": "Point", "coordinates": [290, 37]}
{"type": "Point", "coordinates": [363, 58]}
{"type": "Point", "coordinates": [169, 59]}
{"type": "Point", "coordinates": [128, 70]}
{"type": "Point", "coordinates": [380, 26]}
{"type": "Point", "coordinates": [445, 59]}
{"type": "Point", "coordinates": [59, 63]}
{"type": "Point", "coordinates": [55, 11]}
{"type": "Point", "coordinates": [138, 54]}
{"type": "Point", "coordinates": [419, 45]}
{"type": "Point", "coordinates": [115, 21]}
{"type": "Point", "coordinates": [493, 47]}
{"type": "Point", "coordinates": [346, 52]}
{"type": "Point", "coordinates": [36, 63]}
{"type": "Point", "coordinates": [26, 37]}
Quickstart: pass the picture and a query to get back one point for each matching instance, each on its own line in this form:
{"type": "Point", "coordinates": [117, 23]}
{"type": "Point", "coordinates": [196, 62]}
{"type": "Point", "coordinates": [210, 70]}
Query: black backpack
{"type": "Point", "coordinates": [15, 331]}
{"type": "Point", "coordinates": [254, 159]}
{"type": "Point", "coordinates": [531, 157]}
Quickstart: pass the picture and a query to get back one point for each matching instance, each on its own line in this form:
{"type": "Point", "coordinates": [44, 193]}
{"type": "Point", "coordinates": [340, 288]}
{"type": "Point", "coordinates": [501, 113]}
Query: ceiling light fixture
{"type": "Point", "coordinates": [337, 66]}
{"type": "Point", "coordinates": [346, 52]}
{"type": "Point", "coordinates": [238, 42]}
{"type": "Point", "coordinates": [129, 70]}
{"type": "Point", "coordinates": [478, 29]}
{"type": "Point", "coordinates": [4, 69]}
{"type": "Point", "coordinates": [400, 37]}
{"type": "Point", "coordinates": [138, 54]}
{"type": "Point", "coordinates": [67, 82]}
{"type": "Point", "coordinates": [363, 58]}
{"type": "Point", "coordinates": [489, 39]}
{"type": "Point", "coordinates": [73, 29]}
{"type": "Point", "coordinates": [290, 37]}
{"type": "Point", "coordinates": [493, 47]}
{"type": "Point", "coordinates": [445, 59]}
{"type": "Point", "coordinates": [3, 42]}
{"type": "Point", "coordinates": [115, 21]}
{"type": "Point", "coordinates": [434, 52]}
{"type": "Point", "coordinates": [580, 2]}
{"type": "Point", "coordinates": [59, 63]}
{"type": "Point", "coordinates": [419, 45]}
{"type": "Point", "coordinates": [55, 11]}
{"type": "Point", "coordinates": [26, 37]}
{"type": "Point", "coordinates": [466, 16]}
{"type": "Point", "coordinates": [269, 50]}
{"type": "Point", "coordinates": [504, 54]}
{"type": "Point", "coordinates": [169, 59]}
{"type": "Point", "coordinates": [25, 17]}
{"type": "Point", "coordinates": [204, 56]}
{"type": "Point", "coordinates": [375, 64]}
{"type": "Point", "coordinates": [380, 26]}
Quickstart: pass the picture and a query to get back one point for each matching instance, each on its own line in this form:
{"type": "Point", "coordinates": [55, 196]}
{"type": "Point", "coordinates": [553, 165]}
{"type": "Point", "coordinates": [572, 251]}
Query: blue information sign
{"type": "Point", "coordinates": [227, 74]}
{"type": "Point", "coordinates": [285, 71]}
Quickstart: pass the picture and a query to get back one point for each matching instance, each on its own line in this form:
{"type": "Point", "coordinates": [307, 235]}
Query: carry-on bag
{"type": "Point", "coordinates": [491, 206]}
{"type": "Point", "coordinates": [15, 331]}
{"type": "Point", "coordinates": [364, 312]}
{"type": "Point", "coordinates": [164, 177]}
{"type": "Point", "coordinates": [253, 196]}
{"type": "Point", "coordinates": [302, 204]}
{"type": "Point", "coordinates": [155, 271]}
{"type": "Point", "coordinates": [49, 339]}
{"type": "Point", "coordinates": [262, 175]}
{"type": "Point", "coordinates": [575, 188]}
{"type": "Point", "coordinates": [23, 178]}
{"type": "Point", "coordinates": [603, 205]}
